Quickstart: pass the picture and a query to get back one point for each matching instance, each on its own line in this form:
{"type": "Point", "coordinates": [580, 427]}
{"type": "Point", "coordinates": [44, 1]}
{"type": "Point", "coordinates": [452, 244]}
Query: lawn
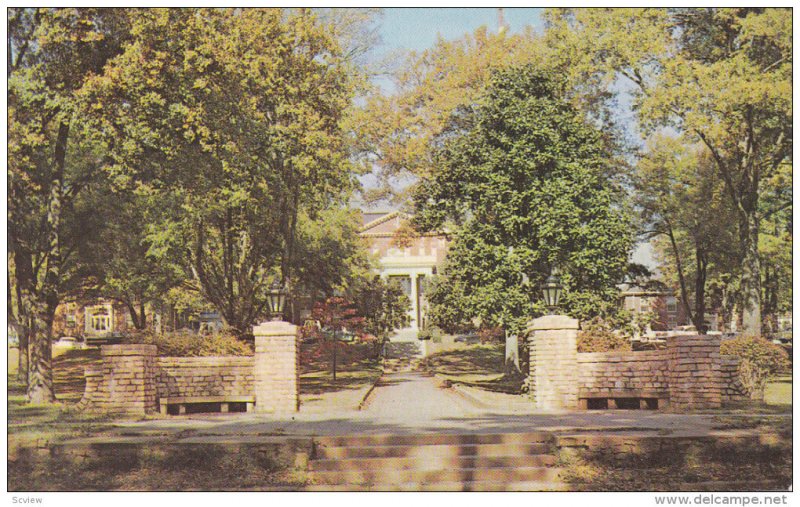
{"type": "Point", "coordinates": [480, 366]}
{"type": "Point", "coordinates": [779, 391]}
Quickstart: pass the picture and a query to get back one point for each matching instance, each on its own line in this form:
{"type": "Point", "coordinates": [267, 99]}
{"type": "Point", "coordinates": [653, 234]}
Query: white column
{"type": "Point", "coordinates": [414, 300]}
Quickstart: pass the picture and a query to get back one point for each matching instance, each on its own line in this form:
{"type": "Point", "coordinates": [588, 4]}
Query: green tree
{"type": "Point", "coordinates": [233, 118]}
{"type": "Point", "coordinates": [683, 204]}
{"type": "Point", "coordinates": [52, 158]}
{"type": "Point", "coordinates": [722, 77]}
{"type": "Point", "coordinates": [524, 182]}
{"type": "Point", "coordinates": [384, 306]}
{"type": "Point", "coordinates": [395, 132]}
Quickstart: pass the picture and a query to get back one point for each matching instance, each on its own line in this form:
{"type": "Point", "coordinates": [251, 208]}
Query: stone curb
{"type": "Point", "coordinates": [364, 399]}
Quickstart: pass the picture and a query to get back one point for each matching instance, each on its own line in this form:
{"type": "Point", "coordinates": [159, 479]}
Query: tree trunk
{"type": "Point", "coordinates": [22, 365]}
{"type": "Point", "coordinates": [40, 377]}
{"type": "Point", "coordinates": [44, 302]}
{"type": "Point", "coordinates": [751, 274]}
{"type": "Point", "coordinates": [700, 292]}
{"type": "Point", "coordinates": [679, 267]}
{"type": "Point", "coordinates": [512, 355]}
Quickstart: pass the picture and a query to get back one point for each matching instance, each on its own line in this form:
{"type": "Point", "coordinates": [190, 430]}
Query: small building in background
{"type": "Point", "coordinates": [406, 257]}
{"type": "Point", "coordinates": [668, 312]}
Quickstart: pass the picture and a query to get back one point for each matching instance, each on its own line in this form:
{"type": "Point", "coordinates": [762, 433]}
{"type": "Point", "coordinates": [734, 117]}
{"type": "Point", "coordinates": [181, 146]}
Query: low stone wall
{"type": "Point", "coordinates": [133, 380]}
{"type": "Point", "coordinates": [732, 388]}
{"type": "Point", "coordinates": [624, 374]}
{"type": "Point", "coordinates": [687, 374]}
{"type": "Point", "coordinates": [204, 376]}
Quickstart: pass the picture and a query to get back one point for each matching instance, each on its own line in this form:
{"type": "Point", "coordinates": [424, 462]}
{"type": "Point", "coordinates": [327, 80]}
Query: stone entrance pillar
{"type": "Point", "coordinates": [554, 362]}
{"type": "Point", "coordinates": [276, 372]}
{"type": "Point", "coordinates": [128, 382]}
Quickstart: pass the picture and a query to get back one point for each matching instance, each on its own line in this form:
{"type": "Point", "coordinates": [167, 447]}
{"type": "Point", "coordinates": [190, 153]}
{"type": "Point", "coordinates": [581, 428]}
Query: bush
{"type": "Point", "coordinates": [758, 359]}
{"type": "Point", "coordinates": [597, 335]}
{"type": "Point", "coordinates": [188, 344]}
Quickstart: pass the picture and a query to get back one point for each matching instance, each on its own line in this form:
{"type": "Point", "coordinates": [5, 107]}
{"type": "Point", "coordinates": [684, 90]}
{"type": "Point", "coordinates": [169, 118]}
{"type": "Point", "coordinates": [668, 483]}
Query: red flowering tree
{"type": "Point", "coordinates": [339, 320]}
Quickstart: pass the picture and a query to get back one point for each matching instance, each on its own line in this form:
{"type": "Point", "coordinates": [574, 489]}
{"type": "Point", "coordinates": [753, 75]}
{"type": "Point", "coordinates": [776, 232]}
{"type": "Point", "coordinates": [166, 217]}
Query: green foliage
{"type": "Point", "coordinates": [233, 120]}
{"type": "Point", "coordinates": [524, 184]}
{"type": "Point", "coordinates": [598, 335]}
{"type": "Point", "coordinates": [188, 344]}
{"type": "Point", "coordinates": [759, 358]}
{"type": "Point", "coordinates": [719, 76]}
{"type": "Point", "coordinates": [383, 304]}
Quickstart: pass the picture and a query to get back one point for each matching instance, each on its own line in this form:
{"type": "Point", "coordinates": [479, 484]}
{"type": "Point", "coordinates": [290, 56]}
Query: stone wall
{"type": "Point", "coordinates": [204, 376]}
{"type": "Point", "coordinates": [732, 388]}
{"type": "Point", "coordinates": [623, 374]}
{"type": "Point", "coordinates": [132, 380]}
{"type": "Point", "coordinates": [277, 367]}
{"type": "Point", "coordinates": [125, 382]}
{"type": "Point", "coordinates": [553, 377]}
{"type": "Point", "coordinates": [694, 372]}
{"type": "Point", "coordinates": [689, 374]}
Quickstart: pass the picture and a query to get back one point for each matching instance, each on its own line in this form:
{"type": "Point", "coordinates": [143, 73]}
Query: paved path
{"type": "Point", "coordinates": [414, 397]}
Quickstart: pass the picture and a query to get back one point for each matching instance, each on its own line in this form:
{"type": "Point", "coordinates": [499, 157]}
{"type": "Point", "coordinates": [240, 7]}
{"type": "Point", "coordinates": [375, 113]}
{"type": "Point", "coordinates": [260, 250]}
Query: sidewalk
{"type": "Point", "coordinates": [411, 403]}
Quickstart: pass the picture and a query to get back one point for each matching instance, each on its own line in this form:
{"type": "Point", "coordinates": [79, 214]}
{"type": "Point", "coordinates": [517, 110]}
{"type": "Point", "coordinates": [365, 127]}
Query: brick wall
{"type": "Point", "coordinates": [689, 374]}
{"type": "Point", "coordinates": [277, 368]}
{"type": "Point", "coordinates": [204, 376]}
{"type": "Point", "coordinates": [694, 372]}
{"type": "Point", "coordinates": [132, 380]}
{"type": "Point", "coordinates": [553, 378]}
{"type": "Point", "coordinates": [732, 388]}
{"type": "Point", "coordinates": [125, 382]}
{"type": "Point", "coordinates": [635, 374]}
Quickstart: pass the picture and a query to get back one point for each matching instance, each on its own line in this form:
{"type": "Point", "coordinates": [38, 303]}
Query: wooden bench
{"type": "Point", "coordinates": [224, 402]}
{"type": "Point", "coordinates": [647, 400]}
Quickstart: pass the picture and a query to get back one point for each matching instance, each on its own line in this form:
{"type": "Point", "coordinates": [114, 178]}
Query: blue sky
{"type": "Point", "coordinates": [417, 29]}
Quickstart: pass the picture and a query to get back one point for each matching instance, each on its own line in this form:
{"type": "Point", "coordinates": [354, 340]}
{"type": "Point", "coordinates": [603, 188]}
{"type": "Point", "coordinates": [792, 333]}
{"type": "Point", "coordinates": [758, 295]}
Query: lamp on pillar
{"type": "Point", "coordinates": [277, 299]}
{"type": "Point", "coordinates": [551, 290]}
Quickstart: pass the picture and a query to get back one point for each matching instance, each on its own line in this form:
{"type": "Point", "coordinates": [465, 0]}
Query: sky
{"type": "Point", "coordinates": [418, 29]}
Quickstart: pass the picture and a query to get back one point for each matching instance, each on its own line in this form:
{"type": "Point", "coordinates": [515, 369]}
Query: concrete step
{"type": "Point", "coordinates": [447, 486]}
{"type": "Point", "coordinates": [432, 451]}
{"type": "Point", "coordinates": [432, 462]}
{"type": "Point", "coordinates": [458, 475]}
{"type": "Point", "coordinates": [535, 437]}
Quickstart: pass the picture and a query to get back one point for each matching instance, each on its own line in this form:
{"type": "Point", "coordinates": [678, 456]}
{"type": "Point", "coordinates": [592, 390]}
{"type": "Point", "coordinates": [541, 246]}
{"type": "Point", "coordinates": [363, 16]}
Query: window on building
{"type": "Point", "coordinates": [99, 319]}
{"type": "Point", "coordinates": [672, 305]}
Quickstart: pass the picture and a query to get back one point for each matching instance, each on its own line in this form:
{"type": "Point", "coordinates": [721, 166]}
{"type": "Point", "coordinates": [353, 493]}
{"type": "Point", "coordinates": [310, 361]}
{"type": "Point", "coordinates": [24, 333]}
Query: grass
{"type": "Point", "coordinates": [779, 391]}
{"type": "Point", "coordinates": [680, 466]}
{"type": "Point", "coordinates": [480, 366]}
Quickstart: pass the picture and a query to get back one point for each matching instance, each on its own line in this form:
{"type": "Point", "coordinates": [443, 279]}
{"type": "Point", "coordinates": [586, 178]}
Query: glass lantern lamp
{"type": "Point", "coordinates": [277, 300]}
{"type": "Point", "coordinates": [551, 291]}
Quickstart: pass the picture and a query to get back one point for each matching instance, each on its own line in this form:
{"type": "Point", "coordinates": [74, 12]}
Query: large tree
{"type": "Point", "coordinates": [395, 129]}
{"type": "Point", "coordinates": [721, 77]}
{"type": "Point", "coordinates": [52, 159]}
{"type": "Point", "coordinates": [233, 118]}
{"type": "Point", "coordinates": [523, 181]}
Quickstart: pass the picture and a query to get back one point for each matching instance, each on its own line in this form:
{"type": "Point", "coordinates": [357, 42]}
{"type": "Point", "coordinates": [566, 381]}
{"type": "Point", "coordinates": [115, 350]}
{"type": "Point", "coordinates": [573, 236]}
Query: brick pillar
{"type": "Point", "coordinates": [276, 371]}
{"type": "Point", "coordinates": [554, 362]}
{"type": "Point", "coordinates": [129, 379]}
{"type": "Point", "coordinates": [695, 378]}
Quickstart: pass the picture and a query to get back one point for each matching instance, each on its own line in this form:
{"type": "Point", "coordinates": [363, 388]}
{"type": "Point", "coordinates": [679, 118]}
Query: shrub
{"type": "Point", "coordinates": [597, 335]}
{"type": "Point", "coordinates": [758, 359]}
{"type": "Point", "coordinates": [188, 344]}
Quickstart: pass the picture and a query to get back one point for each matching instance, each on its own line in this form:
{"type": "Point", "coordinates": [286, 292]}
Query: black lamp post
{"type": "Point", "coordinates": [551, 290]}
{"type": "Point", "coordinates": [277, 299]}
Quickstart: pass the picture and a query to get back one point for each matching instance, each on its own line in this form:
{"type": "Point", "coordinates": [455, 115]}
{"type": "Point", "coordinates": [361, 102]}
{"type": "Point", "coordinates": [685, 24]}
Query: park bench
{"type": "Point", "coordinates": [623, 399]}
{"type": "Point", "coordinates": [224, 402]}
